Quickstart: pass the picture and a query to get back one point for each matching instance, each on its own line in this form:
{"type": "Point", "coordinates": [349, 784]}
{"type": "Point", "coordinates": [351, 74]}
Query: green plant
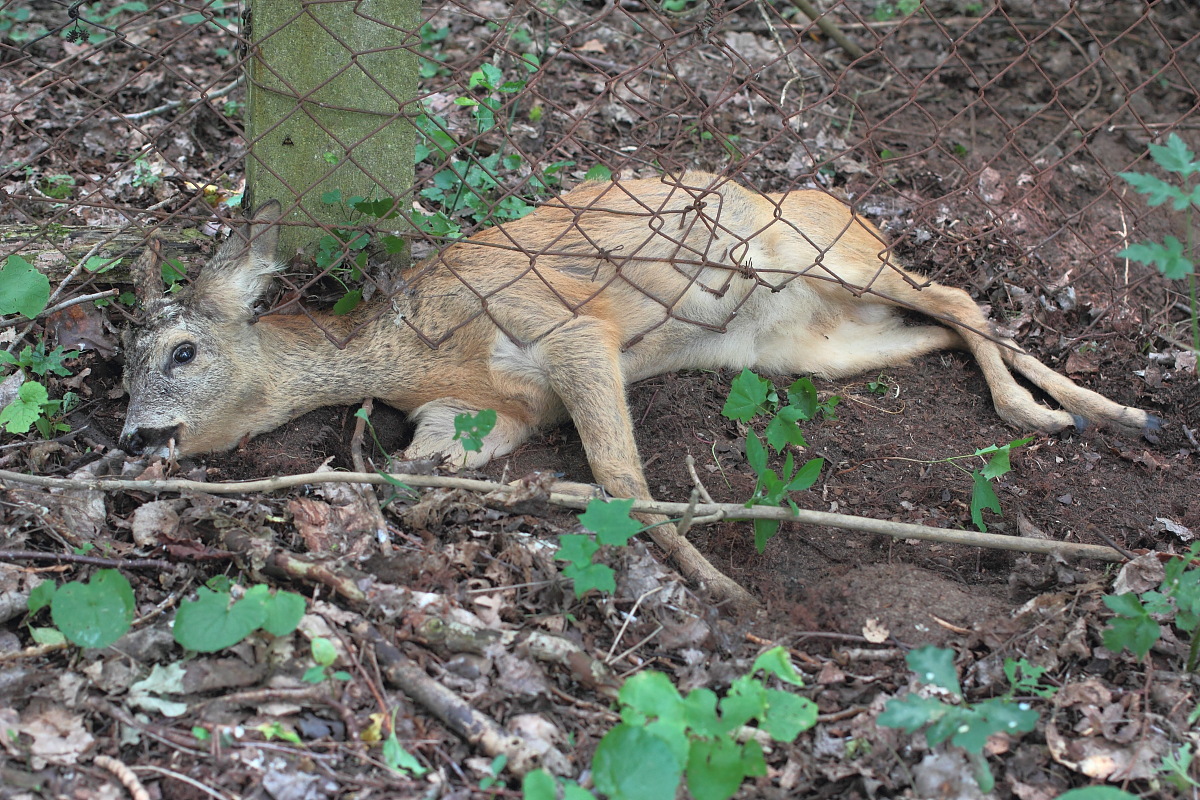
{"type": "Point", "coordinates": [470, 429]}
{"type": "Point", "coordinates": [901, 8]}
{"type": "Point", "coordinates": [751, 396]}
{"type": "Point", "coordinates": [100, 15]}
{"type": "Point", "coordinates": [494, 781]}
{"type": "Point", "coordinates": [1176, 768]}
{"type": "Point", "coordinates": [664, 737]}
{"type": "Point", "coordinates": [32, 405]}
{"type": "Point", "coordinates": [431, 59]}
{"type": "Point", "coordinates": [57, 187]}
{"type": "Point", "coordinates": [1172, 258]}
{"type": "Point", "coordinates": [1136, 626]}
{"type": "Point", "coordinates": [216, 619]}
{"type": "Point", "coordinates": [91, 614]}
{"type": "Point", "coordinates": [15, 23]}
{"type": "Point", "coordinates": [324, 654]}
{"type": "Point", "coordinates": [468, 185]}
{"type": "Point", "coordinates": [965, 725]}
{"type": "Point", "coordinates": [610, 522]}
{"type": "Point", "coordinates": [880, 385]}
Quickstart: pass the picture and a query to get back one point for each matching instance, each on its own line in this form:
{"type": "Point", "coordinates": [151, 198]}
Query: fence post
{"type": "Point", "coordinates": [329, 106]}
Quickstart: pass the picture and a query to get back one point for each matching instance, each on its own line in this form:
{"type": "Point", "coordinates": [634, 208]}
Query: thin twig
{"type": "Point", "coordinates": [898, 530]}
{"type": "Point", "coordinates": [74, 301]}
{"type": "Point", "coordinates": [95, 561]}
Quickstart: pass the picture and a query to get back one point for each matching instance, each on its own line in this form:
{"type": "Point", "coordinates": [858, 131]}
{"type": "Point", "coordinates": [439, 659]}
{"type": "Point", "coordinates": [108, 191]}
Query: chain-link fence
{"type": "Point", "coordinates": [985, 138]}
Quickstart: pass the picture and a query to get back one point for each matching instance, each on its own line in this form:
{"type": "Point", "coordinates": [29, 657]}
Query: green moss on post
{"type": "Point", "coordinates": [329, 106]}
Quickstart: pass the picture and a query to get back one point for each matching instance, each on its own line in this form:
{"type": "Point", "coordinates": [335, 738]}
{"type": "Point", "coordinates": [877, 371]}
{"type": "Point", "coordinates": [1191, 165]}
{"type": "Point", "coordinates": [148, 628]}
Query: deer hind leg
{"type": "Point", "coordinates": [1013, 402]}
{"type": "Point", "coordinates": [583, 367]}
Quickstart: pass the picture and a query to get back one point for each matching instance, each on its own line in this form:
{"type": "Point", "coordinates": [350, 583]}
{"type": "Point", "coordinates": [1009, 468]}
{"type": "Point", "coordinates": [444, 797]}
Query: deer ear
{"type": "Point", "coordinates": [242, 269]}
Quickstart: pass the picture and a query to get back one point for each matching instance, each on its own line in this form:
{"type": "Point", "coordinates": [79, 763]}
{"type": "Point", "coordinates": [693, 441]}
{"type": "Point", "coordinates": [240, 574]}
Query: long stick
{"type": "Point", "coordinates": [702, 513]}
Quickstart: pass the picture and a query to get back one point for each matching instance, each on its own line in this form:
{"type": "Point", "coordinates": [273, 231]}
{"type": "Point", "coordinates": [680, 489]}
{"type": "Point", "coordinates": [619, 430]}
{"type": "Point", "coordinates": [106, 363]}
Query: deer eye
{"type": "Point", "coordinates": [184, 353]}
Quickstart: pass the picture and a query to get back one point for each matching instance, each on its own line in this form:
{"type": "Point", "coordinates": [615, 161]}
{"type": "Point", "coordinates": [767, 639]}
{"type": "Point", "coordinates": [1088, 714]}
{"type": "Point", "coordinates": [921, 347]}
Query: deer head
{"type": "Point", "coordinates": [195, 368]}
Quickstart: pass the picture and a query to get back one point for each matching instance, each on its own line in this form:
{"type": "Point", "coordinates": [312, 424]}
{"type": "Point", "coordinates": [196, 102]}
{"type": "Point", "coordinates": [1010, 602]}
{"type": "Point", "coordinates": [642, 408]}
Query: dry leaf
{"type": "Point", "coordinates": [875, 632]}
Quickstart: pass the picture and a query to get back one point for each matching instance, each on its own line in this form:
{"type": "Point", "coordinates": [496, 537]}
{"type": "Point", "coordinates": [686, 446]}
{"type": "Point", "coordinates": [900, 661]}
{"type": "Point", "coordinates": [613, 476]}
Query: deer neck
{"type": "Point", "coordinates": [311, 371]}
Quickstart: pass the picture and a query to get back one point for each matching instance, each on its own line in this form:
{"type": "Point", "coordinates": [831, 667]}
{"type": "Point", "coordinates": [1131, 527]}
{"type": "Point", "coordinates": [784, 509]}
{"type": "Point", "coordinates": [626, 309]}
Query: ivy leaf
{"type": "Point", "coordinates": [210, 623]}
{"type": "Point", "coordinates": [610, 521]}
{"type": "Point", "coordinates": [747, 394]}
{"type": "Point", "coordinates": [576, 548]}
{"type": "Point", "coordinates": [788, 715]}
{"type": "Point", "coordinates": [591, 576]}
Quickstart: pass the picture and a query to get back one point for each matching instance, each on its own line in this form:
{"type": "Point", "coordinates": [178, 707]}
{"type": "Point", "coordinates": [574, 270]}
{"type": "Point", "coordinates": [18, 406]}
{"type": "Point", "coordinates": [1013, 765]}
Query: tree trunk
{"type": "Point", "coordinates": [330, 108]}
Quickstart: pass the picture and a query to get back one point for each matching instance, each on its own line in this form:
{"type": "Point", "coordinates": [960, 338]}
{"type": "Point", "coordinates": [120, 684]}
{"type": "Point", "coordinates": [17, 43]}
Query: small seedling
{"type": "Point", "coordinates": [324, 654]}
{"type": "Point", "coordinates": [610, 522]}
{"type": "Point", "coordinates": [1175, 260]}
{"type": "Point", "coordinates": [964, 724]}
{"type": "Point", "coordinates": [1136, 626]}
{"type": "Point", "coordinates": [32, 405]}
{"type": "Point", "coordinates": [472, 429]}
{"type": "Point", "coordinates": [664, 737]}
{"type": "Point", "coordinates": [751, 396]}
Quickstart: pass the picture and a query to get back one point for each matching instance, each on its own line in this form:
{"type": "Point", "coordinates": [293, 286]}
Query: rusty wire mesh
{"type": "Point", "coordinates": [985, 138]}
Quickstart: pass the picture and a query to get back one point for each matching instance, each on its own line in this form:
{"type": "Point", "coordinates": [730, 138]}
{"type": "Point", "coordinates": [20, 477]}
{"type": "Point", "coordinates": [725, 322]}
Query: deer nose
{"type": "Point", "coordinates": [145, 440]}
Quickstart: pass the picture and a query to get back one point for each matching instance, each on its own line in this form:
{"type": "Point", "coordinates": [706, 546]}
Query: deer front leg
{"type": "Point", "coordinates": [584, 370]}
{"type": "Point", "coordinates": [435, 434]}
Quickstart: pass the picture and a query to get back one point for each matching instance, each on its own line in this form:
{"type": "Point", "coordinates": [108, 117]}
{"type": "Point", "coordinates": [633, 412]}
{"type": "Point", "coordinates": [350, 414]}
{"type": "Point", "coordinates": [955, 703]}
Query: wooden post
{"type": "Point", "coordinates": [329, 107]}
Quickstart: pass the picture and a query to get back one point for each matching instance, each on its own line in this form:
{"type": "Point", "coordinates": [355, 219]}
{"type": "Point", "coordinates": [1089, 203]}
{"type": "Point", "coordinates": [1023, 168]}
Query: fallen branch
{"type": "Point", "coordinates": [704, 512]}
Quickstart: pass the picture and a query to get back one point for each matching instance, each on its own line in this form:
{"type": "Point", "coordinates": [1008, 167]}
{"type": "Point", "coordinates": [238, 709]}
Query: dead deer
{"type": "Point", "coordinates": [553, 315]}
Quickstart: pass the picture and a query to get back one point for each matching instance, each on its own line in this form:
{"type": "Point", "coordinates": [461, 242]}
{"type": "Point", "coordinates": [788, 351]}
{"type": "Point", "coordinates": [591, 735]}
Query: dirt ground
{"type": "Point", "coordinates": [1045, 265]}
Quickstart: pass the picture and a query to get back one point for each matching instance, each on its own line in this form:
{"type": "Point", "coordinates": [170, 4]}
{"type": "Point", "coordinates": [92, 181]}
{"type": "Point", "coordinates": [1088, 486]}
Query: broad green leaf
{"type": "Point", "coordinates": [714, 768]}
{"type": "Point", "coordinates": [764, 531]}
{"type": "Point", "coordinates": [591, 576]}
{"type": "Point", "coordinates": [633, 764]}
{"type": "Point", "coordinates": [982, 496]}
{"type": "Point", "coordinates": [1097, 793]}
{"type": "Point", "coordinates": [598, 173]}
{"type": "Point", "coordinates": [777, 662]}
{"type": "Point", "coordinates": [400, 760]}
{"type": "Point", "coordinates": [323, 651]}
{"type": "Point", "coordinates": [284, 611]}
{"type": "Point", "coordinates": [538, 785]}
{"type": "Point", "coordinates": [348, 302]}
{"type": "Point", "coordinates": [653, 694]}
{"type": "Point", "coordinates": [802, 395]}
{"type": "Point", "coordinates": [1137, 634]}
{"type": "Point", "coordinates": [746, 700]}
{"type": "Point", "coordinates": [935, 666]}
{"type": "Point", "coordinates": [576, 548]}
{"type": "Point", "coordinates": [40, 596]}
{"type": "Point", "coordinates": [788, 715]}
{"type": "Point", "coordinates": [912, 712]}
{"type": "Point", "coordinates": [993, 716]}
{"type": "Point", "coordinates": [23, 290]}
{"type": "Point", "coordinates": [783, 429]}
{"type": "Point", "coordinates": [210, 623]}
{"type": "Point", "coordinates": [700, 713]}
{"type": "Point", "coordinates": [20, 415]}
{"type": "Point", "coordinates": [756, 454]}
{"type": "Point", "coordinates": [610, 521]}
{"type": "Point", "coordinates": [1126, 604]}
{"type": "Point", "coordinates": [96, 613]}
{"type": "Point", "coordinates": [807, 475]}
{"type": "Point", "coordinates": [747, 394]}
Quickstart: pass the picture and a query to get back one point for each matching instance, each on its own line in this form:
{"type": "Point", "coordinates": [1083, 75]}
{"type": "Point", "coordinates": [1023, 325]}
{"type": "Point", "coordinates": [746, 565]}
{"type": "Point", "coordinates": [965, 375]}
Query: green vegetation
{"type": "Point", "coordinates": [664, 737]}
{"type": "Point", "coordinates": [610, 522]}
{"type": "Point", "coordinates": [1174, 259]}
{"type": "Point", "coordinates": [965, 725]}
{"type": "Point", "coordinates": [32, 406]}
{"type": "Point", "coordinates": [751, 396]}
{"type": "Point", "coordinates": [1139, 621]}
{"type": "Point", "coordinates": [470, 429]}
{"type": "Point", "coordinates": [324, 655]}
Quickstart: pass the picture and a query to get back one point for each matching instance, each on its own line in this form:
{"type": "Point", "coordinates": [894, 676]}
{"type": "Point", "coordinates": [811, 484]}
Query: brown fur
{"type": "Point", "coordinates": [553, 315]}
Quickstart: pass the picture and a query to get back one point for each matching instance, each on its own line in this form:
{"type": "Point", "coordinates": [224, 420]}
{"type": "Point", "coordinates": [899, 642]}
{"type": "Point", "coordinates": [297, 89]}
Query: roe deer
{"type": "Point", "coordinates": [553, 315]}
